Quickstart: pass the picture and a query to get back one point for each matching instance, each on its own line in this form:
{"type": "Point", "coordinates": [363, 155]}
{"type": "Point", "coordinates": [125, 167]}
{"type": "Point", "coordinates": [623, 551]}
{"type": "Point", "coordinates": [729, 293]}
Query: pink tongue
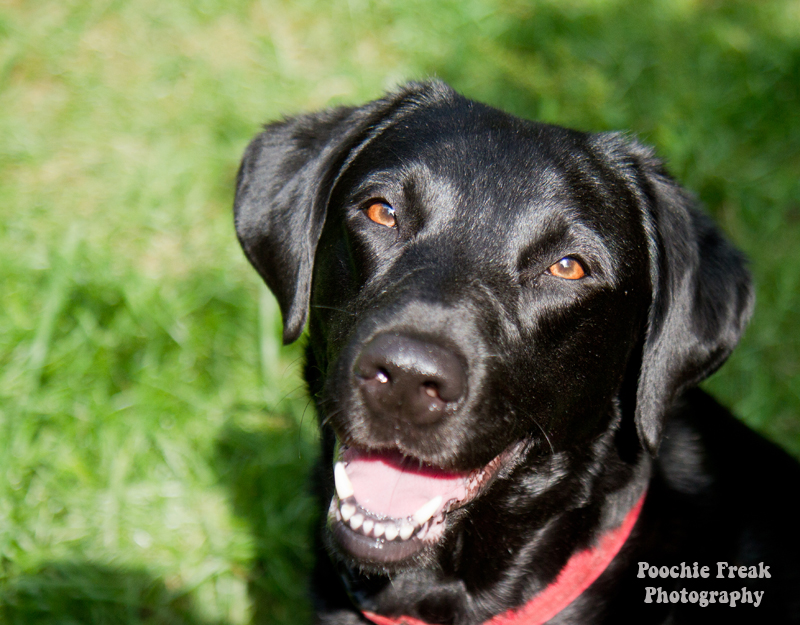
{"type": "Point", "coordinates": [391, 485]}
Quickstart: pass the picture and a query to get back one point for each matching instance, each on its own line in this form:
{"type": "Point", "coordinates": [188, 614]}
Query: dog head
{"type": "Point", "coordinates": [483, 292]}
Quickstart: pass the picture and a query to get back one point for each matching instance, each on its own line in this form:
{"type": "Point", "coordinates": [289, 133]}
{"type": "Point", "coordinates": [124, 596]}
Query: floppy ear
{"type": "Point", "coordinates": [702, 294]}
{"type": "Point", "coordinates": [282, 192]}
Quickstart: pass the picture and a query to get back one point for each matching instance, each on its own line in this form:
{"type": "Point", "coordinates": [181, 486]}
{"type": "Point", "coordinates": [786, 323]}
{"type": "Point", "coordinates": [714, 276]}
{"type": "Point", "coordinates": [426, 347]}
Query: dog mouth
{"type": "Point", "coordinates": [388, 507]}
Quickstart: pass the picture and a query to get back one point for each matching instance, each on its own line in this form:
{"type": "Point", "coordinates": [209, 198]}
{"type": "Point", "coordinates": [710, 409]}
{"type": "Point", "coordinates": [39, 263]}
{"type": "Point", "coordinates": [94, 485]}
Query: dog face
{"type": "Point", "coordinates": [496, 308]}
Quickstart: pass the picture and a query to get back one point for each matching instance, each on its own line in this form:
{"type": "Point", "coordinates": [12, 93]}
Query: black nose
{"type": "Point", "coordinates": [405, 377]}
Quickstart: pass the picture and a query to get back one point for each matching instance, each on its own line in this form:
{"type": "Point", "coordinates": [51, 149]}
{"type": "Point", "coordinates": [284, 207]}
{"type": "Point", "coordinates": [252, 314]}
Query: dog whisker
{"type": "Point", "coordinates": [329, 416]}
{"type": "Point", "coordinates": [544, 432]}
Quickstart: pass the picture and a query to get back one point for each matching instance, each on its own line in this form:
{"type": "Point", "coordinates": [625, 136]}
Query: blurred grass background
{"type": "Point", "coordinates": [154, 437]}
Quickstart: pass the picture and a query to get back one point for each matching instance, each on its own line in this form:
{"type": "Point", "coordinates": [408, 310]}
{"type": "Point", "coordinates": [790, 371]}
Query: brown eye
{"type": "Point", "coordinates": [567, 268]}
{"type": "Point", "coordinates": [381, 213]}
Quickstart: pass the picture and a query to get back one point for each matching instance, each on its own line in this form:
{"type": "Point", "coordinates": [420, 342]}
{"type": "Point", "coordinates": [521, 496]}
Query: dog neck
{"type": "Point", "coordinates": [580, 572]}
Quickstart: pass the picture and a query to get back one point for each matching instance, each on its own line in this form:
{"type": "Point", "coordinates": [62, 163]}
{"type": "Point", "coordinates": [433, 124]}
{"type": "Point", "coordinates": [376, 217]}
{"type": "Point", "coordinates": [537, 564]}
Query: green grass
{"type": "Point", "coordinates": [154, 437]}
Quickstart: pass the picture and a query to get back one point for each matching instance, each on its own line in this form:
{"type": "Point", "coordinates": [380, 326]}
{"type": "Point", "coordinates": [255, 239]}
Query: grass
{"type": "Point", "coordinates": [154, 437]}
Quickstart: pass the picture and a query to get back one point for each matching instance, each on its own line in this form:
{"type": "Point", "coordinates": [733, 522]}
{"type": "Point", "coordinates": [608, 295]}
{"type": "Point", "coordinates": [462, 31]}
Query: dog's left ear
{"type": "Point", "coordinates": [702, 292]}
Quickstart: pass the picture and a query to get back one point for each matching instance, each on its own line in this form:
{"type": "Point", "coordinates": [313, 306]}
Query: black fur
{"type": "Point", "coordinates": [588, 384]}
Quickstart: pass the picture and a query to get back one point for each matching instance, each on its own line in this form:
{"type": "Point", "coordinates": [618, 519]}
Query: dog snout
{"type": "Point", "coordinates": [412, 380]}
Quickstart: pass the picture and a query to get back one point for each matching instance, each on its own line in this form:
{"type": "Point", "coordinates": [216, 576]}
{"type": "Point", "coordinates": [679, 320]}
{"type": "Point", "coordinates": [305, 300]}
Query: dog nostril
{"type": "Point", "coordinates": [431, 389]}
{"type": "Point", "coordinates": [382, 376]}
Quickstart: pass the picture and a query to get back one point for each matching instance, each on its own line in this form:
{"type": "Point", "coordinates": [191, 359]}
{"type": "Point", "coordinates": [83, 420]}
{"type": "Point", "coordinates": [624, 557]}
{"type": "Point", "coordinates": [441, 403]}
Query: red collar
{"type": "Point", "coordinates": [582, 569]}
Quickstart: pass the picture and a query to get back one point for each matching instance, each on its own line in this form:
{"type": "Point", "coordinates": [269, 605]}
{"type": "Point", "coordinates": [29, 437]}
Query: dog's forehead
{"type": "Point", "coordinates": [479, 148]}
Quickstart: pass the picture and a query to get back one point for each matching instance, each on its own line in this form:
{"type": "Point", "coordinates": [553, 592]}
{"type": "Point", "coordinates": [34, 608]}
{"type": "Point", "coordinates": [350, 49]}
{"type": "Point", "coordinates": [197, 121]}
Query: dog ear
{"type": "Point", "coordinates": [283, 187]}
{"type": "Point", "coordinates": [702, 293]}
{"type": "Point", "coordinates": [280, 203]}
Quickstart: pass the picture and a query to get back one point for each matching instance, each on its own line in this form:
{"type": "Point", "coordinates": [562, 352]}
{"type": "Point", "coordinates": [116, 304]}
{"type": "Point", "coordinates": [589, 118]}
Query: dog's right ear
{"type": "Point", "coordinates": [283, 187]}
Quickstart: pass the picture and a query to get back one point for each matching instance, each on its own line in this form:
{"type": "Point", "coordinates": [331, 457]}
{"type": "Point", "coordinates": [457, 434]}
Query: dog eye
{"type": "Point", "coordinates": [567, 268]}
{"type": "Point", "coordinates": [381, 213]}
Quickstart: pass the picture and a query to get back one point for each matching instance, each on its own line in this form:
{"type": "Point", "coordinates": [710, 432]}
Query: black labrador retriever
{"type": "Point", "coordinates": [507, 320]}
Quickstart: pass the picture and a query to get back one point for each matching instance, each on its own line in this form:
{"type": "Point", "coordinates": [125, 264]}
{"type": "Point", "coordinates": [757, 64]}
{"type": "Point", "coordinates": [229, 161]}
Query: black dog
{"type": "Point", "coordinates": [506, 323]}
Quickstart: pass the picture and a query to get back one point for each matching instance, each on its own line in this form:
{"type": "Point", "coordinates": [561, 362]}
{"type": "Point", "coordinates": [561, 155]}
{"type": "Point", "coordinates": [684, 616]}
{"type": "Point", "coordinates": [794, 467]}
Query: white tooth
{"type": "Point", "coordinates": [378, 530]}
{"type": "Point", "coordinates": [367, 527]}
{"type": "Point", "coordinates": [344, 488]}
{"type": "Point", "coordinates": [356, 521]}
{"type": "Point", "coordinates": [423, 531]}
{"type": "Point", "coordinates": [348, 510]}
{"type": "Point", "coordinates": [428, 510]}
{"type": "Point", "coordinates": [391, 531]}
{"type": "Point", "coordinates": [406, 530]}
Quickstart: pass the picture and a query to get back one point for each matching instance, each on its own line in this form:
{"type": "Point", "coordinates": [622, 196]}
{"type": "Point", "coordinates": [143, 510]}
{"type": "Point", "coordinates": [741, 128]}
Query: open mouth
{"type": "Point", "coordinates": [388, 507]}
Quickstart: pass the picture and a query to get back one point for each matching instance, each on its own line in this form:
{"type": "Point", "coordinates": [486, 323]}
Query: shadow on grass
{"type": "Point", "coordinates": [267, 473]}
{"type": "Point", "coordinates": [80, 593]}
